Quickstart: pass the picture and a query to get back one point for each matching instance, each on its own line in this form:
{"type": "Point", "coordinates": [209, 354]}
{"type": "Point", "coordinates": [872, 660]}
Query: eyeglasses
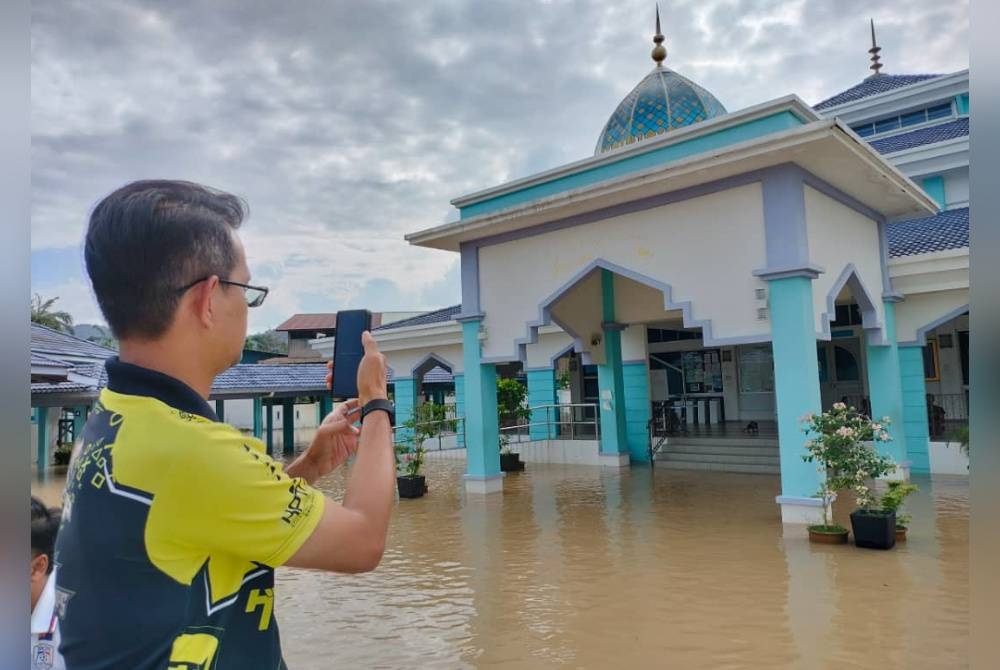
{"type": "Point", "coordinates": [254, 294]}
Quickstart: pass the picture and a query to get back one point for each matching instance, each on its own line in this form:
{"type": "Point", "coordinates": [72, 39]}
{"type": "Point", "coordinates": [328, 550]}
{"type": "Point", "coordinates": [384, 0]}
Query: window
{"type": "Point", "coordinates": [896, 121]}
{"type": "Point", "coordinates": [824, 373]}
{"type": "Point", "coordinates": [845, 365]}
{"type": "Point", "coordinates": [939, 111]}
{"type": "Point", "coordinates": [864, 129]}
{"type": "Point", "coordinates": [847, 315]}
{"type": "Point", "coordinates": [885, 125]}
{"type": "Point", "coordinates": [932, 371]}
{"type": "Point", "coordinates": [756, 369]}
{"type": "Point", "coordinates": [591, 389]}
{"type": "Point", "coordinates": [913, 118]}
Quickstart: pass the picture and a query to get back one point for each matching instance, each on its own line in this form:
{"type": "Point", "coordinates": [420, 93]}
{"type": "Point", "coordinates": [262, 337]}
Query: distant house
{"type": "Point", "coordinates": [306, 330]}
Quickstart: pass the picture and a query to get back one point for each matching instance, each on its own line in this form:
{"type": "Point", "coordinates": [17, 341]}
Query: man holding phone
{"type": "Point", "coordinates": [173, 522]}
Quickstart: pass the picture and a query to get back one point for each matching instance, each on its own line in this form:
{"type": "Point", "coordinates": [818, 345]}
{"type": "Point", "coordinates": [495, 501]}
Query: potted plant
{"type": "Point", "coordinates": [892, 501]}
{"type": "Point", "coordinates": [425, 423]}
{"type": "Point", "coordinates": [844, 447]}
{"type": "Point", "coordinates": [411, 483]}
{"type": "Point", "coordinates": [62, 454]}
{"type": "Point", "coordinates": [827, 450]}
{"type": "Point", "coordinates": [512, 411]}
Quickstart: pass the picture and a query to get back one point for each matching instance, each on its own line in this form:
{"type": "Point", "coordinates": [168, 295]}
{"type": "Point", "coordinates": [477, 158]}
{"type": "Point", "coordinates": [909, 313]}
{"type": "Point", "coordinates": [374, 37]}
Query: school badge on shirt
{"type": "Point", "coordinates": [43, 656]}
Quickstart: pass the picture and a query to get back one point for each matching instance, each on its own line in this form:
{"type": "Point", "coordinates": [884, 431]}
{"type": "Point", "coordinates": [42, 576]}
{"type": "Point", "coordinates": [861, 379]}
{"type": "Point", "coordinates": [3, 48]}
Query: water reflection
{"type": "Point", "coordinates": [587, 568]}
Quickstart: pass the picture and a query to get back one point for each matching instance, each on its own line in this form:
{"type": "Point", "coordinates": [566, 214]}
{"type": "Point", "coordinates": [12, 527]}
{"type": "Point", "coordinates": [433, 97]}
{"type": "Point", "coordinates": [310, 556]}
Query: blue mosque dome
{"type": "Point", "coordinates": [663, 101]}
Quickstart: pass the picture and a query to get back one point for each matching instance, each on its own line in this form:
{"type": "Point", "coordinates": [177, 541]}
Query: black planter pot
{"type": "Point", "coordinates": [874, 529]}
{"type": "Point", "coordinates": [411, 486]}
{"type": "Point", "coordinates": [511, 462]}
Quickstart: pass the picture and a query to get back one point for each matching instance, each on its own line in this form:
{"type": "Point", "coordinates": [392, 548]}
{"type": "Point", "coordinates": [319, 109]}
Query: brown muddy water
{"type": "Point", "coordinates": [579, 567]}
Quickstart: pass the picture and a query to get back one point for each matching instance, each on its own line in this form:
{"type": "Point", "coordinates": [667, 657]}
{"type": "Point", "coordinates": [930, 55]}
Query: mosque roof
{"type": "Point", "coordinates": [941, 232]}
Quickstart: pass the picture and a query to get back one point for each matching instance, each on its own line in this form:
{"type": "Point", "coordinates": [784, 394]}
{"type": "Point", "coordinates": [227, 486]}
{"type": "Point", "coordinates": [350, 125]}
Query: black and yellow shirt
{"type": "Point", "coordinates": [172, 525]}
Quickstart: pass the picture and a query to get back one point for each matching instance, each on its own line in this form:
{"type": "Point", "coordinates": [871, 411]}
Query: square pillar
{"type": "Point", "coordinates": [542, 391]}
{"type": "Point", "coordinates": [405, 394]}
{"type": "Point", "coordinates": [886, 391]}
{"type": "Point", "coordinates": [611, 382]}
{"type": "Point", "coordinates": [460, 409]}
{"type": "Point", "coordinates": [258, 430]}
{"type": "Point", "coordinates": [914, 398]}
{"type": "Point", "coordinates": [42, 418]}
{"type": "Point", "coordinates": [482, 435]}
{"type": "Point", "coordinates": [220, 409]}
{"type": "Point", "coordinates": [269, 406]}
{"type": "Point", "coordinates": [324, 408]}
{"type": "Point", "coordinates": [79, 419]}
{"type": "Point", "coordinates": [635, 376]}
{"type": "Point", "coordinates": [288, 426]}
{"type": "Point", "coordinates": [796, 388]}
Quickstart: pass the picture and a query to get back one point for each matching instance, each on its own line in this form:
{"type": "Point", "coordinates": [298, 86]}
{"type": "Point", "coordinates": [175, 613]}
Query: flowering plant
{"type": "Point", "coordinates": [409, 459]}
{"type": "Point", "coordinates": [842, 444]}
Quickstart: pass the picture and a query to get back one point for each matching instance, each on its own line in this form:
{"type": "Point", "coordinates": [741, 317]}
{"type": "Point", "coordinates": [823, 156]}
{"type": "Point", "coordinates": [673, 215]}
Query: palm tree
{"type": "Point", "coordinates": [43, 315]}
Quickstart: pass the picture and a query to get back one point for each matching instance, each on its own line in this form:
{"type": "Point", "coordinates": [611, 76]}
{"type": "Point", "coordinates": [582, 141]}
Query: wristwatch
{"type": "Point", "coordinates": [379, 405]}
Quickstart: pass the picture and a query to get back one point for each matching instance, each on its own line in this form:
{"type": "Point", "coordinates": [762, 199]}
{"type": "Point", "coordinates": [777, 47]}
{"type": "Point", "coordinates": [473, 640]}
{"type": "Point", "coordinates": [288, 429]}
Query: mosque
{"type": "Point", "coordinates": [734, 269]}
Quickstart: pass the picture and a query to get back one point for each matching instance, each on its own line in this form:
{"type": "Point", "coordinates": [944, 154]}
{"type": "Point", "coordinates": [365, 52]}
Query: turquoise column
{"type": "Point", "coordinates": [406, 402]}
{"type": "Point", "coordinates": [934, 187]}
{"type": "Point", "coordinates": [914, 392]}
{"type": "Point", "coordinates": [482, 437]}
{"type": "Point", "coordinates": [79, 418]}
{"type": "Point", "coordinates": [796, 379]}
{"type": "Point", "coordinates": [269, 406]}
{"type": "Point", "coordinates": [42, 417]}
{"type": "Point", "coordinates": [460, 409]}
{"type": "Point", "coordinates": [637, 409]}
{"type": "Point", "coordinates": [885, 388]}
{"type": "Point", "coordinates": [220, 409]}
{"type": "Point", "coordinates": [609, 375]}
{"type": "Point", "coordinates": [324, 408]}
{"type": "Point", "coordinates": [257, 428]}
{"type": "Point", "coordinates": [542, 391]}
{"type": "Point", "coordinates": [288, 426]}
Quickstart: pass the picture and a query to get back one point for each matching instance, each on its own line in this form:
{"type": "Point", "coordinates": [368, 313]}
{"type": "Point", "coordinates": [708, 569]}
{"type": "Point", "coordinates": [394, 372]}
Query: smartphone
{"type": "Point", "coordinates": [348, 352]}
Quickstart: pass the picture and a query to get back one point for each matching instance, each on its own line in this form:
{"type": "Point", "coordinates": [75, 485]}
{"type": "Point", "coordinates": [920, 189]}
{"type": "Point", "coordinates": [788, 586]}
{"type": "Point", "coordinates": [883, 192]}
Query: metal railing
{"type": "Point", "coordinates": [946, 412]}
{"type": "Point", "coordinates": [574, 421]}
{"type": "Point", "coordinates": [444, 429]}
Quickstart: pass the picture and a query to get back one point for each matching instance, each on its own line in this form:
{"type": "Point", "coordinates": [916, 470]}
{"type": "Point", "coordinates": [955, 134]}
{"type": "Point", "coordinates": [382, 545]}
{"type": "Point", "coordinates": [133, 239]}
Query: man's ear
{"type": "Point", "coordinates": [202, 295]}
{"type": "Point", "coordinates": [40, 565]}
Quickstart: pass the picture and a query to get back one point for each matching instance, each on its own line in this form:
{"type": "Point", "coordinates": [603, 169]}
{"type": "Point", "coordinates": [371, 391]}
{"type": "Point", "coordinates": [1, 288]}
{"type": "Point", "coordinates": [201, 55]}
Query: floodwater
{"type": "Point", "coordinates": [580, 567]}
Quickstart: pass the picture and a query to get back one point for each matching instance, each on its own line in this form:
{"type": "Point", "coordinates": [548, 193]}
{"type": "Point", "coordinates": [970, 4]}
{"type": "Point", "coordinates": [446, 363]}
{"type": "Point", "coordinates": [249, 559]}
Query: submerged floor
{"type": "Point", "coordinates": [575, 566]}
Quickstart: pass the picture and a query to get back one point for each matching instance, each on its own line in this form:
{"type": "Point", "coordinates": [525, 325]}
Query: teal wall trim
{"type": "Point", "coordinates": [325, 407]}
{"type": "Point", "coordinates": [637, 410]}
{"type": "Point", "coordinates": [609, 376]}
{"type": "Point", "coordinates": [269, 409]}
{"type": "Point", "coordinates": [288, 426]}
{"type": "Point", "coordinates": [406, 404]}
{"type": "Point", "coordinates": [934, 187]}
{"type": "Point", "coordinates": [885, 388]}
{"type": "Point", "coordinates": [43, 438]}
{"type": "Point", "coordinates": [220, 410]}
{"type": "Point", "coordinates": [79, 418]}
{"type": "Point", "coordinates": [962, 104]}
{"type": "Point", "coordinates": [542, 391]}
{"type": "Point", "coordinates": [796, 379]}
{"type": "Point", "coordinates": [460, 409]}
{"type": "Point", "coordinates": [635, 163]}
{"type": "Point", "coordinates": [914, 392]}
{"type": "Point", "coordinates": [258, 429]}
{"type": "Point", "coordinates": [482, 437]}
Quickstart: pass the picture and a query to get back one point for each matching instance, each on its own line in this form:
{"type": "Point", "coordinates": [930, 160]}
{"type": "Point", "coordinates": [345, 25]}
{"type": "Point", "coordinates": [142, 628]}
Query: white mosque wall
{"type": "Point", "coordinates": [705, 248]}
{"type": "Point", "coordinates": [919, 310]}
{"type": "Point", "coordinates": [541, 353]}
{"type": "Point", "coordinates": [402, 361]}
{"type": "Point", "coordinates": [956, 187]}
{"type": "Point", "coordinates": [838, 236]}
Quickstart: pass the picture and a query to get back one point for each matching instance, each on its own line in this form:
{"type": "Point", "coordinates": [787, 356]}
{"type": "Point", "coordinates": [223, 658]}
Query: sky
{"type": "Point", "coordinates": [346, 125]}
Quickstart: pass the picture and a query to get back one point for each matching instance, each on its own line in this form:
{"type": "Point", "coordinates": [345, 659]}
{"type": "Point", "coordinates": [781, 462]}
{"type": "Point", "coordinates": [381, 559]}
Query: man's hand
{"type": "Point", "coordinates": [372, 372]}
{"type": "Point", "coordinates": [336, 439]}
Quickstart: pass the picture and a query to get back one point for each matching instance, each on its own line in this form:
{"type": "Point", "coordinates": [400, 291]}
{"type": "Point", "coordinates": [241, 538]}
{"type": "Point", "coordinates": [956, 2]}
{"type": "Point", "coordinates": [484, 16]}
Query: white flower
{"type": "Point", "coordinates": [876, 426]}
{"type": "Point", "coordinates": [844, 431]}
{"type": "Point", "coordinates": [839, 405]}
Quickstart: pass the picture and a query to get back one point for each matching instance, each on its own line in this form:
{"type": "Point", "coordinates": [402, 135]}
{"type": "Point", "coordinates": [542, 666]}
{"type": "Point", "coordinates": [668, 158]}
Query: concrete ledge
{"type": "Point", "coordinates": [801, 511]}
{"type": "Point", "coordinates": [483, 485]}
{"type": "Point", "coordinates": [900, 474]}
{"type": "Point", "coordinates": [614, 460]}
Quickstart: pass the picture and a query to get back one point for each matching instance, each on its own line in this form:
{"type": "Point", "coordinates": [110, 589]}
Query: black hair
{"type": "Point", "coordinates": [44, 527]}
{"type": "Point", "coordinates": [150, 239]}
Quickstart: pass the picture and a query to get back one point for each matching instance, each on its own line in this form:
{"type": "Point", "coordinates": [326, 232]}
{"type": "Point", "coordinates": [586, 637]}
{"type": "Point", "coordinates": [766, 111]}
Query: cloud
{"type": "Point", "coordinates": [347, 125]}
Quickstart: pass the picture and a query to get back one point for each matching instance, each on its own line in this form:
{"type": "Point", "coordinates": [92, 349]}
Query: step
{"type": "Point", "coordinates": [712, 449]}
{"type": "Point", "coordinates": [723, 441]}
{"type": "Point", "coordinates": [718, 458]}
{"type": "Point", "coordinates": [719, 467]}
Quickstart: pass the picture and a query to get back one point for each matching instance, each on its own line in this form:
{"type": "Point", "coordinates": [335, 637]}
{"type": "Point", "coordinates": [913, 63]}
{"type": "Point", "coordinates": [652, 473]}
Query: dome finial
{"type": "Point", "coordinates": [875, 66]}
{"type": "Point", "coordinates": [659, 51]}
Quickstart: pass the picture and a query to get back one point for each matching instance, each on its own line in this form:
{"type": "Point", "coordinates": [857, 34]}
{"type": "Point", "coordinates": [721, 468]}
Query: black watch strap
{"type": "Point", "coordinates": [379, 405]}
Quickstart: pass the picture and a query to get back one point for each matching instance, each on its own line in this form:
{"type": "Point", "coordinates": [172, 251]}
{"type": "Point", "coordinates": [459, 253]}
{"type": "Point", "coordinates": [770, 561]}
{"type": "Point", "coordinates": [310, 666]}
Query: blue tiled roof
{"type": "Point", "coordinates": [873, 86]}
{"type": "Point", "coordinates": [437, 316]}
{"type": "Point", "coordinates": [41, 359]}
{"type": "Point", "coordinates": [92, 370]}
{"type": "Point", "coordinates": [61, 387]}
{"type": "Point", "coordinates": [916, 138]}
{"type": "Point", "coordinates": [53, 343]}
{"type": "Point", "coordinates": [946, 230]}
{"type": "Point", "coordinates": [305, 378]}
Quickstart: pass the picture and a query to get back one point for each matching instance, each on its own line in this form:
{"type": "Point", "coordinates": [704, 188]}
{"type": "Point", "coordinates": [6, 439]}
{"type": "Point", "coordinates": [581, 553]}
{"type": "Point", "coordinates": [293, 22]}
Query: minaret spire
{"type": "Point", "coordinates": [659, 51]}
{"type": "Point", "coordinates": [876, 65]}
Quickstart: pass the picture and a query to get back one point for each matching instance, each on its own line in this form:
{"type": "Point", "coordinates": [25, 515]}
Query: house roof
{"type": "Point", "coordinates": [873, 86]}
{"type": "Point", "coordinates": [54, 343]}
{"type": "Point", "coordinates": [324, 321]}
{"type": "Point", "coordinates": [61, 387]}
{"type": "Point", "coordinates": [943, 231]}
{"type": "Point", "coordinates": [40, 359]}
{"type": "Point", "coordinates": [437, 316]}
{"type": "Point", "coordinates": [248, 378]}
{"type": "Point", "coordinates": [916, 138]}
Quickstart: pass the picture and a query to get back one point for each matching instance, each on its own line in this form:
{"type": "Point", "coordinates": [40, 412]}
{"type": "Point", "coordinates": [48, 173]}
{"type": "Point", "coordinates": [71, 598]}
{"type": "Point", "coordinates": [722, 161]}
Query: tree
{"type": "Point", "coordinates": [103, 338]}
{"type": "Point", "coordinates": [270, 341]}
{"type": "Point", "coordinates": [43, 314]}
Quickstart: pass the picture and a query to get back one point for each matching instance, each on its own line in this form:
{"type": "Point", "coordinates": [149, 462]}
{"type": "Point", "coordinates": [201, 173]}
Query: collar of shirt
{"type": "Point", "coordinates": [129, 379]}
{"type": "Point", "coordinates": [42, 617]}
